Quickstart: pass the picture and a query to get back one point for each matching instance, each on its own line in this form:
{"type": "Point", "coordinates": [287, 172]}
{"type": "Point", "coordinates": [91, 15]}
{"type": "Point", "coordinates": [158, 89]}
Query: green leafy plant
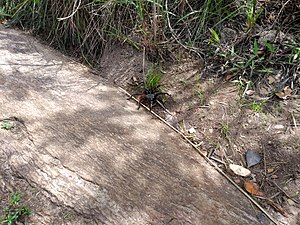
{"type": "Point", "coordinates": [14, 211]}
{"type": "Point", "coordinates": [201, 96]}
{"type": "Point", "coordinates": [255, 48]}
{"type": "Point", "coordinates": [225, 130]}
{"type": "Point", "coordinates": [216, 38]}
{"type": "Point", "coordinates": [153, 79]}
{"type": "Point", "coordinates": [3, 14]}
{"type": "Point", "coordinates": [85, 27]}
{"type": "Point", "coordinates": [15, 198]}
{"type": "Point", "coordinates": [152, 92]}
{"type": "Point", "coordinates": [269, 46]}
{"type": "Point", "coordinates": [252, 13]}
{"type": "Point", "coordinates": [6, 8]}
{"type": "Point", "coordinates": [257, 106]}
{"type": "Point", "coordinates": [249, 64]}
{"type": "Point", "coordinates": [6, 125]}
{"type": "Point", "coordinates": [295, 55]}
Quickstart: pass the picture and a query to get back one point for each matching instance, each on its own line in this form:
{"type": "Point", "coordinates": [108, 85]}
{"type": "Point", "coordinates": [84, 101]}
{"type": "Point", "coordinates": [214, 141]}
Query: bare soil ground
{"type": "Point", "coordinates": [215, 114]}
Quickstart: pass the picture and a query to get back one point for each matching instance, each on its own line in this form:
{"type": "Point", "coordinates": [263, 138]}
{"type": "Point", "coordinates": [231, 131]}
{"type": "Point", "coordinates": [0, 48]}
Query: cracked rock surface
{"type": "Point", "coordinates": [82, 154]}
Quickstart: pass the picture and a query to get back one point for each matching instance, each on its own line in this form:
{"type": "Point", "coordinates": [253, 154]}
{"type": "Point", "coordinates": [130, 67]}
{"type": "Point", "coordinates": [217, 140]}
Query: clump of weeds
{"type": "Point", "coordinates": [6, 125]}
{"type": "Point", "coordinates": [201, 96]}
{"type": "Point", "coordinates": [257, 106]}
{"type": "Point", "coordinates": [225, 129]}
{"type": "Point", "coordinates": [15, 211]}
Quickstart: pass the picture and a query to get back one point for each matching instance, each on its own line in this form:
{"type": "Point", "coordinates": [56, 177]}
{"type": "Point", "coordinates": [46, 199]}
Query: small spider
{"type": "Point", "coordinates": [150, 96]}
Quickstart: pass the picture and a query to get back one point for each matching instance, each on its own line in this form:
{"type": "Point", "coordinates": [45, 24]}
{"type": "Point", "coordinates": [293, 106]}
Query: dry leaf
{"type": "Point", "coordinates": [250, 92]}
{"type": "Point", "coordinates": [280, 95]}
{"type": "Point", "coordinates": [274, 176]}
{"type": "Point", "coordinates": [271, 79]}
{"type": "Point", "coordinates": [270, 170]}
{"type": "Point", "coordinates": [253, 188]}
{"type": "Point", "coordinates": [229, 76]}
{"type": "Point", "coordinates": [287, 91]}
{"type": "Point", "coordinates": [3, 21]}
{"type": "Point", "coordinates": [239, 170]}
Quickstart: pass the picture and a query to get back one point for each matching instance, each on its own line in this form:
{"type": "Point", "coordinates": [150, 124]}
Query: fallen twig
{"type": "Point", "coordinates": [294, 120]}
{"type": "Point", "coordinates": [217, 160]}
{"type": "Point", "coordinates": [284, 192]}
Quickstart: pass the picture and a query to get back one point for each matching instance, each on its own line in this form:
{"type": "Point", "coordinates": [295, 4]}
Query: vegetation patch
{"type": "Point", "coordinates": [15, 210]}
{"type": "Point", "coordinates": [164, 29]}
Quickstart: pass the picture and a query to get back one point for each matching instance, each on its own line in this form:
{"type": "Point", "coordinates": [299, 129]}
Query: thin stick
{"type": "Point", "coordinates": [284, 192]}
{"type": "Point", "coordinates": [294, 120]}
{"type": "Point", "coordinates": [144, 76]}
{"type": "Point", "coordinates": [265, 163]}
{"type": "Point", "coordinates": [154, 20]}
{"type": "Point", "coordinates": [218, 160]}
{"type": "Point", "coordinates": [161, 105]}
{"type": "Point", "coordinates": [246, 89]}
{"type": "Point", "coordinates": [210, 162]}
{"type": "Point", "coordinates": [73, 13]}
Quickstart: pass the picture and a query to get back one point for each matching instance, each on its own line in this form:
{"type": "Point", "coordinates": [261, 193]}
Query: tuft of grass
{"type": "Point", "coordinates": [225, 130]}
{"type": "Point", "coordinates": [165, 29]}
{"type": "Point", "coordinates": [257, 106]}
{"type": "Point", "coordinates": [295, 55]}
{"type": "Point", "coordinates": [201, 96]}
{"type": "Point", "coordinates": [252, 13]}
{"type": "Point", "coordinates": [6, 8]}
{"type": "Point", "coordinates": [6, 125]}
{"type": "Point", "coordinates": [85, 28]}
{"type": "Point", "coordinates": [216, 38]}
{"type": "Point", "coordinates": [14, 211]}
{"type": "Point", "coordinates": [15, 199]}
{"type": "Point", "coordinates": [153, 79]}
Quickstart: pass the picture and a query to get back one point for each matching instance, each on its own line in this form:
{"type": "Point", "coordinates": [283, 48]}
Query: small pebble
{"type": "Point", "coordinates": [192, 130]}
{"type": "Point", "coordinates": [278, 127]}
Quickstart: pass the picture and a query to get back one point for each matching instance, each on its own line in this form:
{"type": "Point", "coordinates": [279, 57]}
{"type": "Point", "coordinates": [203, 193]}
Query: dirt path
{"type": "Point", "coordinates": [80, 153]}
